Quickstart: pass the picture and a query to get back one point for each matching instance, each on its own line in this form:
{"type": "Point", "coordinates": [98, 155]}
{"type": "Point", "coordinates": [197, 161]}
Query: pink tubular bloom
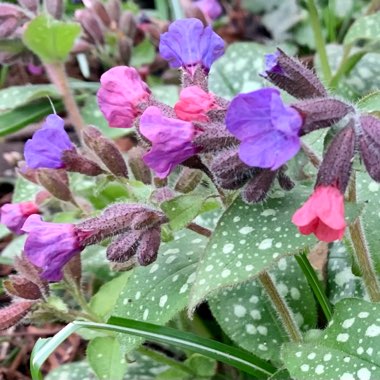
{"type": "Point", "coordinates": [171, 141]}
{"type": "Point", "coordinates": [121, 93]}
{"type": "Point", "coordinates": [50, 246]}
{"type": "Point", "coordinates": [322, 214]}
{"type": "Point", "coordinates": [210, 8]}
{"type": "Point", "coordinates": [194, 103]}
{"type": "Point", "coordinates": [14, 215]}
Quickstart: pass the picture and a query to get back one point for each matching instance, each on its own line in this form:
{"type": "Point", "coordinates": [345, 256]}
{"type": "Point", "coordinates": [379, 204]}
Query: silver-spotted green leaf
{"type": "Point", "coordinates": [106, 359]}
{"type": "Point", "coordinates": [50, 39]}
{"type": "Point", "coordinates": [143, 53]}
{"type": "Point", "coordinates": [142, 367]}
{"type": "Point", "coordinates": [248, 318]}
{"type": "Point", "coordinates": [157, 292]}
{"type": "Point", "coordinates": [24, 190]}
{"type": "Point", "coordinates": [370, 103]}
{"type": "Point", "coordinates": [238, 70]}
{"type": "Point", "coordinates": [347, 350]}
{"type": "Point", "coordinates": [364, 28]}
{"type": "Point", "coordinates": [16, 96]}
{"type": "Point", "coordinates": [72, 371]}
{"type": "Point", "coordinates": [341, 282]}
{"type": "Point", "coordinates": [248, 240]}
{"type": "Point", "coordinates": [104, 300]}
{"type": "Point", "coordinates": [167, 94]}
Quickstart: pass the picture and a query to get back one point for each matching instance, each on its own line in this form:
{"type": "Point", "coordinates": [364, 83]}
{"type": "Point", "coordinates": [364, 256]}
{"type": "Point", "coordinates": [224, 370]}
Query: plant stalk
{"type": "Point", "coordinates": [361, 251]}
{"type": "Point", "coordinates": [281, 307]}
{"type": "Point", "coordinates": [319, 40]}
{"type": "Point", "coordinates": [57, 75]}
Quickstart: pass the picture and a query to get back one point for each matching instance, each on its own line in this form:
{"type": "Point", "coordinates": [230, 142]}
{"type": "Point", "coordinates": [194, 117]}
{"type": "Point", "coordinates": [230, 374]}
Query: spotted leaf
{"type": "Point", "coordinates": [347, 350]}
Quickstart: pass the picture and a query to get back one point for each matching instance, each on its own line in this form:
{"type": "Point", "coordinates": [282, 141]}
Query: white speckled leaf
{"type": "Point", "coordinates": [24, 190]}
{"type": "Point", "coordinates": [248, 318]}
{"type": "Point", "coordinates": [238, 70]}
{"type": "Point", "coordinates": [157, 292]}
{"type": "Point", "coordinates": [16, 96]}
{"type": "Point", "coordinates": [367, 27]}
{"type": "Point", "coordinates": [347, 350]}
{"type": "Point", "coordinates": [73, 371]}
{"type": "Point", "coordinates": [370, 103]}
{"type": "Point", "coordinates": [248, 240]}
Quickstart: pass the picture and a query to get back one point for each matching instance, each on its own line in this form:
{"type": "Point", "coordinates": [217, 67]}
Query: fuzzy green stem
{"type": "Point", "coordinates": [57, 75]}
{"type": "Point", "coordinates": [319, 40]}
{"type": "Point", "coordinates": [281, 307]}
{"type": "Point", "coordinates": [161, 358]}
{"type": "Point", "coordinates": [362, 253]}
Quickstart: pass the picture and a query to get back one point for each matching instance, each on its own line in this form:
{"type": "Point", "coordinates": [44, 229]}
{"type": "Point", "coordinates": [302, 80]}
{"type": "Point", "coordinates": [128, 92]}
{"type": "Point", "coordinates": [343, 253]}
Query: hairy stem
{"type": "Point", "coordinates": [199, 229]}
{"type": "Point", "coordinates": [362, 253]}
{"type": "Point", "coordinates": [311, 155]}
{"type": "Point", "coordinates": [319, 40]}
{"type": "Point", "coordinates": [57, 75]}
{"type": "Point", "coordinates": [281, 307]}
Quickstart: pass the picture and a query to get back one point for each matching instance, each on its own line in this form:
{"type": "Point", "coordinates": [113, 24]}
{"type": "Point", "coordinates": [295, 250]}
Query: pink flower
{"type": "Point", "coordinates": [210, 8]}
{"type": "Point", "coordinates": [14, 215]}
{"type": "Point", "coordinates": [194, 103]}
{"type": "Point", "coordinates": [121, 95]}
{"type": "Point", "coordinates": [322, 214]}
{"type": "Point", "coordinates": [171, 141]}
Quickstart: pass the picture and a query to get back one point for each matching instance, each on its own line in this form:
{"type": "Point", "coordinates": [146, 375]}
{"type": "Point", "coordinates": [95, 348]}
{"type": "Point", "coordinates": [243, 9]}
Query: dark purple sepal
{"type": "Point", "coordinates": [18, 286]}
{"type": "Point", "coordinates": [284, 180]}
{"type": "Point", "coordinates": [56, 182]}
{"type": "Point", "coordinates": [148, 247]}
{"type": "Point", "coordinates": [336, 166]}
{"type": "Point", "coordinates": [138, 167]}
{"type": "Point", "coordinates": [75, 162]}
{"type": "Point", "coordinates": [292, 76]}
{"type": "Point", "coordinates": [258, 187]}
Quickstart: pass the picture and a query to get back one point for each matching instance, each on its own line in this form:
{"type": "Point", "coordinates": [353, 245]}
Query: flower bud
{"type": "Point", "coordinates": [162, 194]}
{"type": "Point", "coordinates": [291, 75]}
{"type": "Point", "coordinates": [73, 271]}
{"type": "Point", "coordinates": [229, 171]}
{"type": "Point", "coordinates": [56, 183]}
{"type": "Point", "coordinates": [369, 143]}
{"type": "Point", "coordinates": [106, 150]}
{"type": "Point", "coordinates": [31, 5]}
{"type": "Point", "coordinates": [125, 45]}
{"type": "Point", "coordinates": [12, 314]}
{"type": "Point", "coordinates": [258, 187]}
{"type": "Point", "coordinates": [139, 169]}
{"type": "Point", "coordinates": [14, 215]}
{"type": "Point", "coordinates": [11, 17]}
{"type": "Point", "coordinates": [321, 113]}
{"type": "Point", "coordinates": [75, 162]}
{"type": "Point", "coordinates": [149, 244]}
{"type": "Point", "coordinates": [91, 25]}
{"type": "Point", "coordinates": [19, 286]}
{"type": "Point", "coordinates": [284, 180]}
{"type": "Point", "coordinates": [336, 166]}
{"type": "Point", "coordinates": [114, 10]}
{"type": "Point", "coordinates": [98, 8]}
{"type": "Point", "coordinates": [188, 180]}
{"type": "Point", "coordinates": [55, 8]}
{"type": "Point", "coordinates": [128, 24]}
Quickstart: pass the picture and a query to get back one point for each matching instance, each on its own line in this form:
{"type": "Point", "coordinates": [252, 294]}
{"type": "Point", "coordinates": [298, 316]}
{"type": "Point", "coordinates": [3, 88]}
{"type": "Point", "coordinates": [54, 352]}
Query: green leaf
{"type": "Point", "coordinates": [238, 69]}
{"type": "Point", "coordinates": [370, 103]}
{"type": "Point", "coordinates": [50, 39]}
{"type": "Point", "coordinates": [24, 190]}
{"type": "Point", "coordinates": [182, 210]}
{"type": "Point", "coordinates": [13, 249]}
{"type": "Point", "coordinates": [21, 117]}
{"type": "Point", "coordinates": [105, 299]}
{"type": "Point", "coordinates": [142, 54]}
{"type": "Point", "coordinates": [72, 371]}
{"type": "Point", "coordinates": [248, 318]}
{"type": "Point", "coordinates": [4, 231]}
{"type": "Point", "coordinates": [167, 94]}
{"type": "Point", "coordinates": [156, 293]}
{"type": "Point", "coordinates": [347, 350]}
{"type": "Point", "coordinates": [364, 28]}
{"type": "Point", "coordinates": [106, 359]}
{"type": "Point", "coordinates": [93, 116]}
{"type": "Point", "coordinates": [16, 96]}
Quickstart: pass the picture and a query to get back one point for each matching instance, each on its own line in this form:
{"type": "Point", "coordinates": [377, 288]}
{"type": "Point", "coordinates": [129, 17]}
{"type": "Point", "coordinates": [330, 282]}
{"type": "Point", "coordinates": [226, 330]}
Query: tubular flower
{"type": "Point", "coordinates": [50, 246]}
{"type": "Point", "coordinates": [189, 44]}
{"type": "Point", "coordinates": [194, 103]}
{"type": "Point", "coordinates": [48, 145]}
{"type": "Point", "coordinates": [121, 96]}
{"type": "Point", "coordinates": [210, 8]}
{"type": "Point", "coordinates": [14, 215]}
{"type": "Point", "coordinates": [322, 214]}
{"type": "Point", "coordinates": [171, 141]}
{"type": "Point", "coordinates": [267, 128]}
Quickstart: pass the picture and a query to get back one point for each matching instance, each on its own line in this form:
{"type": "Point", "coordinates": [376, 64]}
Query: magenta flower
{"type": "Point", "coordinates": [210, 8]}
{"type": "Point", "coordinates": [121, 95]}
{"type": "Point", "coordinates": [171, 141]}
{"type": "Point", "coordinates": [189, 44]}
{"type": "Point", "coordinates": [50, 246]}
{"type": "Point", "coordinates": [14, 215]}
{"type": "Point", "coordinates": [45, 149]}
{"type": "Point", "coordinates": [267, 128]}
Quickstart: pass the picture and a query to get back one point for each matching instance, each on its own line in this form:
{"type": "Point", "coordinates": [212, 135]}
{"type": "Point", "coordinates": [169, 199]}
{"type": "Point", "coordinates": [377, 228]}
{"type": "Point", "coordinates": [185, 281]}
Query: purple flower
{"type": "Point", "coordinates": [210, 8]}
{"type": "Point", "coordinates": [271, 64]}
{"type": "Point", "coordinates": [50, 245]}
{"type": "Point", "coordinates": [189, 44]}
{"type": "Point", "coordinates": [171, 141]}
{"type": "Point", "coordinates": [47, 145]}
{"type": "Point", "coordinates": [267, 128]}
{"type": "Point", "coordinates": [14, 215]}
